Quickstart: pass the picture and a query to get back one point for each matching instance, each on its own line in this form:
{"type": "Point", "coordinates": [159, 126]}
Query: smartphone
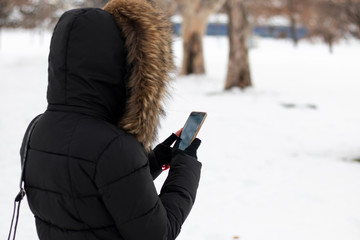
{"type": "Point", "coordinates": [190, 130]}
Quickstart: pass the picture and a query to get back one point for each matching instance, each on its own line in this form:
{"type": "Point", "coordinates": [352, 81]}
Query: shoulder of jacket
{"type": "Point", "coordinates": [121, 158]}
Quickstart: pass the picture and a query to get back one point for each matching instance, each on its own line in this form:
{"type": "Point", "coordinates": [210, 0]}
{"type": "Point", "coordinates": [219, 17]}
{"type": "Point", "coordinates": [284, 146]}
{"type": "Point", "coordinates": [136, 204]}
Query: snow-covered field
{"type": "Point", "coordinates": [277, 158]}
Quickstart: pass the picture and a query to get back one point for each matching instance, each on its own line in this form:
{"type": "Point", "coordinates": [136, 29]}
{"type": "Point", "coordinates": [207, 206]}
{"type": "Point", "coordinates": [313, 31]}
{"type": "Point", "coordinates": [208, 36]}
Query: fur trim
{"type": "Point", "coordinates": [148, 39]}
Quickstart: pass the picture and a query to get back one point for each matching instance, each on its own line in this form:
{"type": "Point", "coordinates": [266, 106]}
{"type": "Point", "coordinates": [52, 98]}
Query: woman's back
{"type": "Point", "coordinates": [88, 175]}
{"type": "Point", "coordinates": [61, 176]}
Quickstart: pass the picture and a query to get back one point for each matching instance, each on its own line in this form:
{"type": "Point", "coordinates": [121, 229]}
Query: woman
{"type": "Point", "coordinates": [89, 172]}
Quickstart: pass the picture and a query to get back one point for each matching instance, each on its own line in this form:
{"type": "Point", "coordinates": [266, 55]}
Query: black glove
{"type": "Point", "coordinates": [163, 151]}
{"type": "Point", "coordinates": [191, 149]}
{"type": "Point", "coordinates": [161, 155]}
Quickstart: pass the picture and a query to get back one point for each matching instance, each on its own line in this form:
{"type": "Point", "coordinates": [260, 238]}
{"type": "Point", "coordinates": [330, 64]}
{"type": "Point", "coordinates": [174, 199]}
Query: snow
{"type": "Point", "coordinates": [278, 158]}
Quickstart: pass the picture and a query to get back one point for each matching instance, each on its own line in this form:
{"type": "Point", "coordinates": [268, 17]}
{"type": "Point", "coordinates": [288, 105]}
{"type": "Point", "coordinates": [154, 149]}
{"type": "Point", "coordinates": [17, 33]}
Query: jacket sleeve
{"type": "Point", "coordinates": [126, 186]}
{"type": "Point", "coordinates": [26, 135]}
{"type": "Point", "coordinates": [155, 168]}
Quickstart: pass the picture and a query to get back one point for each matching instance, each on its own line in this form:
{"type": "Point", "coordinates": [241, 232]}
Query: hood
{"type": "Point", "coordinates": [87, 65]}
{"type": "Point", "coordinates": [113, 63]}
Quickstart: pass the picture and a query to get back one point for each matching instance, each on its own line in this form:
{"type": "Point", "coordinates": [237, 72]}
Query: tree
{"type": "Point", "coordinates": [292, 17]}
{"type": "Point", "coordinates": [6, 7]}
{"type": "Point", "coordinates": [91, 3]}
{"type": "Point", "coordinates": [296, 11]}
{"type": "Point", "coordinates": [42, 14]}
{"type": "Point", "coordinates": [352, 10]}
{"type": "Point", "coordinates": [238, 74]}
{"type": "Point", "coordinates": [195, 14]}
{"type": "Point", "coordinates": [329, 21]}
{"type": "Point", "coordinates": [170, 6]}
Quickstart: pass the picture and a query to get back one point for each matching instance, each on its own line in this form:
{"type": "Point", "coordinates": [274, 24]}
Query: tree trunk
{"type": "Point", "coordinates": [352, 9]}
{"type": "Point", "coordinates": [331, 47]}
{"type": "Point", "coordinates": [195, 14]}
{"type": "Point", "coordinates": [2, 23]}
{"type": "Point", "coordinates": [330, 43]}
{"type": "Point", "coordinates": [294, 36]}
{"type": "Point", "coordinates": [193, 29]}
{"type": "Point", "coordinates": [168, 6]}
{"type": "Point", "coordinates": [238, 74]}
{"type": "Point", "coordinates": [293, 32]}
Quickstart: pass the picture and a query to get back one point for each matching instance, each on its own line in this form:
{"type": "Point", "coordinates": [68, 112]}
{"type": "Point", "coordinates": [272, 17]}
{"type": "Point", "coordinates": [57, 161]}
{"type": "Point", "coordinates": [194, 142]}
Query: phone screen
{"type": "Point", "coordinates": [190, 130]}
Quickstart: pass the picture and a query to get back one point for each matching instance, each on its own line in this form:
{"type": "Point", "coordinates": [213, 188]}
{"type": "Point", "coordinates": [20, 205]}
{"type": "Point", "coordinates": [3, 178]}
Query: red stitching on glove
{"type": "Point", "coordinates": [165, 167]}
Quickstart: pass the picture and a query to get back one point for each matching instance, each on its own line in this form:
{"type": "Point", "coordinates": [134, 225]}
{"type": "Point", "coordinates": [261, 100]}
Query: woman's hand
{"type": "Point", "coordinates": [163, 151]}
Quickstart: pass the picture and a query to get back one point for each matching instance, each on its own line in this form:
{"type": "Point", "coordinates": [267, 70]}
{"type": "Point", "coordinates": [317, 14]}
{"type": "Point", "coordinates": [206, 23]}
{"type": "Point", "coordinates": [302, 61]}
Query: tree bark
{"type": "Point", "coordinates": [329, 39]}
{"type": "Point", "coordinates": [238, 74]}
{"type": "Point", "coordinates": [352, 9]}
{"type": "Point", "coordinates": [195, 14]}
{"type": "Point", "coordinates": [168, 6]}
{"type": "Point", "coordinates": [193, 29]}
{"type": "Point", "coordinates": [331, 47]}
{"type": "Point", "coordinates": [292, 11]}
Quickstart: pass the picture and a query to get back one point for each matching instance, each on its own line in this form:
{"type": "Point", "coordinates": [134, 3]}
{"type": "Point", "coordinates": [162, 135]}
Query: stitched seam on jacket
{"type": "Point", "coordinates": [174, 216]}
{"type": "Point", "coordinates": [125, 176]}
{"type": "Point", "coordinates": [63, 155]}
{"type": "Point", "coordinates": [62, 194]}
{"type": "Point", "coordinates": [107, 147]}
{"type": "Point", "coordinates": [86, 116]}
{"type": "Point", "coordinates": [66, 53]}
{"type": "Point", "coordinates": [98, 160]}
{"type": "Point", "coordinates": [142, 215]}
{"type": "Point", "coordinates": [67, 157]}
{"type": "Point", "coordinates": [75, 230]}
{"type": "Point", "coordinates": [100, 156]}
{"type": "Point", "coordinates": [70, 176]}
{"type": "Point", "coordinates": [171, 190]}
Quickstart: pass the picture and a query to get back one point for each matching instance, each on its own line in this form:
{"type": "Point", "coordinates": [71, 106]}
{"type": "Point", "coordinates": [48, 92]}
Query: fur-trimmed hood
{"type": "Point", "coordinates": [148, 41]}
{"type": "Point", "coordinates": [113, 63]}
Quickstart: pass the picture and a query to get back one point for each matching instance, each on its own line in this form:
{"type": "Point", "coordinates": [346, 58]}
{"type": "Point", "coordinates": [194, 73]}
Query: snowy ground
{"type": "Point", "coordinates": [277, 158]}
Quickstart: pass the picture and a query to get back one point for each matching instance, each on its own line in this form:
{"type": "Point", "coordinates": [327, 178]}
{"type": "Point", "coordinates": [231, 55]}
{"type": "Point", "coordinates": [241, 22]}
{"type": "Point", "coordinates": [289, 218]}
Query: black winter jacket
{"type": "Point", "coordinates": [85, 177]}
